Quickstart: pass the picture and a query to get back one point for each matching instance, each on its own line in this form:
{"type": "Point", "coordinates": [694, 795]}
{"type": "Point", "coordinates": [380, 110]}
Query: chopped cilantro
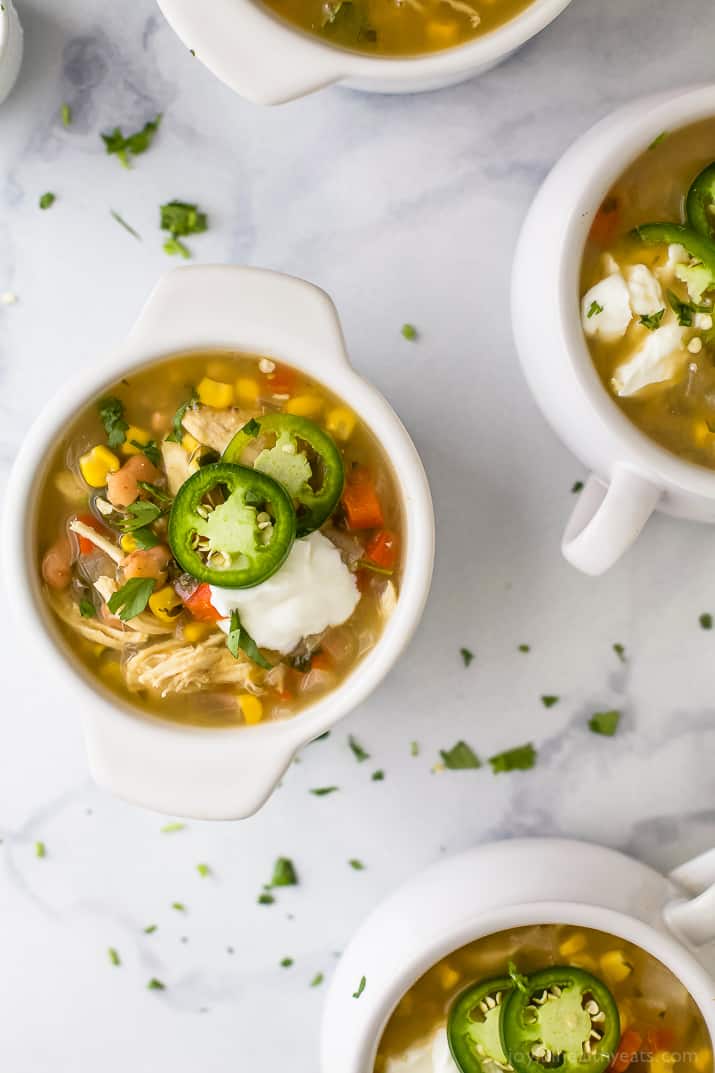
{"type": "Point", "coordinates": [40, 849]}
{"type": "Point", "coordinates": [265, 899]}
{"type": "Point", "coordinates": [356, 864]}
{"type": "Point", "coordinates": [414, 748]}
{"type": "Point", "coordinates": [47, 201]}
{"type": "Point", "coordinates": [132, 598]}
{"type": "Point", "coordinates": [286, 963]}
{"type": "Point", "coordinates": [145, 538]}
{"type": "Point", "coordinates": [620, 651]}
{"type": "Point", "coordinates": [521, 758]}
{"type": "Point", "coordinates": [656, 141]}
{"type": "Point", "coordinates": [706, 620]}
{"type": "Point", "coordinates": [87, 608]}
{"type": "Point", "coordinates": [177, 431]}
{"type": "Point", "coordinates": [378, 776]}
{"type": "Point", "coordinates": [176, 248]}
{"type": "Point", "coordinates": [684, 311]}
{"type": "Point", "coordinates": [284, 874]}
{"type": "Point", "coordinates": [525, 648]}
{"type": "Point", "coordinates": [605, 723]}
{"type": "Point", "coordinates": [179, 907]}
{"type": "Point", "coordinates": [156, 985]}
{"type": "Point", "coordinates": [548, 701]}
{"type": "Point", "coordinates": [170, 828]}
{"type": "Point", "coordinates": [180, 218]}
{"type": "Point", "coordinates": [139, 514]}
{"type": "Point", "coordinates": [239, 639]}
{"type": "Point", "coordinates": [651, 321]}
{"type": "Point", "coordinates": [409, 332]}
{"type": "Point", "coordinates": [460, 757]}
{"type": "Point", "coordinates": [150, 449]}
{"type": "Point", "coordinates": [576, 487]}
{"type": "Point", "coordinates": [150, 929]}
{"type": "Point", "coordinates": [123, 223]}
{"type": "Point", "coordinates": [203, 870]}
{"type": "Point", "coordinates": [361, 987]}
{"type": "Point", "coordinates": [124, 148]}
{"type": "Point", "coordinates": [357, 749]}
{"type": "Point", "coordinates": [111, 414]}
{"type": "Point", "coordinates": [317, 980]}
{"type": "Point", "coordinates": [323, 791]}
{"type": "Point", "coordinates": [66, 115]}
{"type": "Point", "coordinates": [466, 655]}
{"type": "Point", "coordinates": [114, 956]}
{"type": "Point", "coordinates": [594, 309]}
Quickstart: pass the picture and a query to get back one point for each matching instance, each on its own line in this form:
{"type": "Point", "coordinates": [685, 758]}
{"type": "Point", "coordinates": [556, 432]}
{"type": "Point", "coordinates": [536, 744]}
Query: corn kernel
{"type": "Point", "coordinates": [128, 543]}
{"type": "Point", "coordinates": [96, 464]}
{"type": "Point", "coordinates": [448, 977]}
{"type": "Point", "coordinates": [134, 434]}
{"type": "Point", "coordinates": [189, 443]}
{"type": "Point", "coordinates": [615, 967]}
{"type": "Point", "coordinates": [573, 945]}
{"type": "Point", "coordinates": [251, 708]}
{"type": "Point", "coordinates": [701, 433]}
{"type": "Point", "coordinates": [662, 1062]}
{"type": "Point", "coordinates": [215, 393]}
{"type": "Point", "coordinates": [304, 406]}
{"type": "Point", "coordinates": [194, 632]}
{"type": "Point", "coordinates": [341, 422]}
{"type": "Point", "coordinates": [442, 33]}
{"type": "Point", "coordinates": [111, 672]}
{"type": "Point", "coordinates": [701, 1061]}
{"type": "Point", "coordinates": [164, 604]}
{"type": "Point", "coordinates": [247, 391]}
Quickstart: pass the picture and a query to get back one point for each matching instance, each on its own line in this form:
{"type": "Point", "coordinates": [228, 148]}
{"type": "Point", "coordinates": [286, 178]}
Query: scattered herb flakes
{"type": "Point", "coordinates": [265, 899]}
{"type": "Point", "coordinates": [284, 873]}
{"type": "Point", "coordinates": [180, 218]}
{"type": "Point", "coordinates": [156, 985]}
{"type": "Point", "coordinates": [356, 864]}
{"type": "Point", "coordinates": [651, 321]}
{"type": "Point", "coordinates": [132, 598]}
{"type": "Point", "coordinates": [123, 223]}
{"type": "Point", "coordinates": [409, 332]}
{"type": "Point", "coordinates": [40, 849]}
{"type": "Point", "coordinates": [466, 655]}
{"type": "Point", "coordinates": [179, 907]}
{"type": "Point", "coordinates": [605, 723]}
{"type": "Point", "coordinates": [620, 651]}
{"type": "Point", "coordinates": [66, 115]}
{"type": "Point", "coordinates": [576, 487]}
{"type": "Point", "coordinates": [176, 248]}
{"type": "Point", "coordinates": [47, 201]}
{"type": "Point", "coordinates": [378, 776]}
{"type": "Point", "coordinates": [706, 620]}
{"type": "Point", "coordinates": [361, 987]}
{"type": "Point", "coordinates": [171, 828]}
{"type": "Point", "coordinates": [87, 608]}
{"type": "Point", "coordinates": [317, 980]}
{"type": "Point", "coordinates": [124, 148]}
{"type": "Point", "coordinates": [111, 414]}
{"type": "Point", "coordinates": [524, 648]}
{"type": "Point", "coordinates": [150, 929]}
{"type": "Point", "coordinates": [460, 757]}
{"type": "Point", "coordinates": [549, 700]}
{"type": "Point", "coordinates": [203, 870]}
{"type": "Point", "coordinates": [357, 749]}
{"type": "Point", "coordinates": [114, 956]}
{"type": "Point", "coordinates": [323, 791]}
{"type": "Point", "coordinates": [684, 311]}
{"type": "Point", "coordinates": [414, 748]}
{"type": "Point", "coordinates": [239, 639]}
{"type": "Point", "coordinates": [594, 309]}
{"type": "Point", "coordinates": [656, 141]}
{"type": "Point", "coordinates": [286, 963]}
{"type": "Point", "coordinates": [521, 758]}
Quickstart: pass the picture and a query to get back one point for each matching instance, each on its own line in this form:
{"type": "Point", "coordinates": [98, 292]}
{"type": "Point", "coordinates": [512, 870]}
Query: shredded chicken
{"type": "Point", "coordinates": [388, 600]}
{"type": "Point", "coordinates": [465, 9]}
{"type": "Point", "coordinates": [177, 465]}
{"type": "Point", "coordinates": [86, 531]}
{"type": "Point", "coordinates": [100, 632]}
{"type": "Point", "coordinates": [174, 666]}
{"type": "Point", "coordinates": [106, 587]}
{"type": "Point", "coordinates": [214, 428]}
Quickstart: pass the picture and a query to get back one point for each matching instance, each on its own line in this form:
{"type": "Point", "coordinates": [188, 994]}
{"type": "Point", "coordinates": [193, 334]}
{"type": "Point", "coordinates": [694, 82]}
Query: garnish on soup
{"type": "Point", "coordinates": [220, 555]}
{"type": "Point", "coordinates": [649, 272]}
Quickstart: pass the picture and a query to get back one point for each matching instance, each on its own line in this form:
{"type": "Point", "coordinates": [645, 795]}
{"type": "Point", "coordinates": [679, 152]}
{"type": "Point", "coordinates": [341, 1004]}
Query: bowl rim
{"type": "Point", "coordinates": [617, 146]}
{"type": "Point", "coordinates": [29, 607]}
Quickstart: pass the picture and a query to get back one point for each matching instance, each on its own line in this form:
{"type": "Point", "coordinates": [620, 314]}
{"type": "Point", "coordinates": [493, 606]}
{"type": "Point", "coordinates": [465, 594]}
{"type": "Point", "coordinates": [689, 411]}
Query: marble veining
{"type": "Point", "coordinates": [405, 210]}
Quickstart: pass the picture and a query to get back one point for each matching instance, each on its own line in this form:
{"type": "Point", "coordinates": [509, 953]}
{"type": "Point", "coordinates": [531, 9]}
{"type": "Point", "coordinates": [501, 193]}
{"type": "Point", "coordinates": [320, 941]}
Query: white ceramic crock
{"type": "Point", "coordinates": [507, 885]}
{"type": "Point", "coordinates": [632, 475]}
{"type": "Point", "coordinates": [268, 61]}
{"type": "Point", "coordinates": [191, 771]}
{"type": "Point", "coordinates": [10, 48]}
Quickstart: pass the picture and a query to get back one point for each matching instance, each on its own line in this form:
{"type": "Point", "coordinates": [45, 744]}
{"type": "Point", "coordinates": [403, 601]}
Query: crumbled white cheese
{"type": "Point", "coordinates": [695, 345]}
{"type": "Point", "coordinates": [606, 309]}
{"type": "Point", "coordinates": [431, 1057]}
{"type": "Point", "coordinates": [644, 290]}
{"type": "Point", "coordinates": [677, 255]}
{"type": "Point", "coordinates": [312, 590]}
{"type": "Point", "coordinates": [266, 366]}
{"type": "Point", "coordinates": [657, 360]}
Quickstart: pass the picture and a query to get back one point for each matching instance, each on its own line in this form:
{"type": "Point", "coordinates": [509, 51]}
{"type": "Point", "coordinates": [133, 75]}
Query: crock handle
{"type": "Point", "coordinates": [185, 771]}
{"type": "Point", "coordinates": [252, 51]}
{"type": "Point", "coordinates": [607, 519]}
{"type": "Point", "coordinates": [693, 919]}
{"type": "Point", "coordinates": [265, 312]}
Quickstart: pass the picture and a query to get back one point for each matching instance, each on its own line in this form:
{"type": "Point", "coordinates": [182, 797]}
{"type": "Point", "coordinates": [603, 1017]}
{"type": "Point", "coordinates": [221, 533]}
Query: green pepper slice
{"type": "Point", "coordinates": [231, 526]}
{"type": "Point", "coordinates": [304, 459]}
{"type": "Point", "coordinates": [473, 1027]}
{"type": "Point", "coordinates": [562, 1018]}
{"type": "Point", "coordinates": [699, 202]}
{"type": "Point", "coordinates": [699, 277]}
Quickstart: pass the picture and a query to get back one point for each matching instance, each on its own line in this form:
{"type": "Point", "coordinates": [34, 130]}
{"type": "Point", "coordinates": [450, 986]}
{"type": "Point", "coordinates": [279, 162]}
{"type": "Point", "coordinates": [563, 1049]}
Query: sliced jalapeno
{"type": "Point", "coordinates": [303, 459]}
{"type": "Point", "coordinates": [562, 1018]}
{"type": "Point", "coordinates": [700, 201]}
{"type": "Point", "coordinates": [698, 277]}
{"type": "Point", "coordinates": [473, 1027]}
{"type": "Point", "coordinates": [231, 526]}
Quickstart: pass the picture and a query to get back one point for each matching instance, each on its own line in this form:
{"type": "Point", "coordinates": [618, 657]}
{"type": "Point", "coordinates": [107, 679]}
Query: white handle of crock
{"type": "Point", "coordinates": [693, 919]}
{"type": "Point", "coordinates": [262, 311]}
{"type": "Point", "coordinates": [607, 519]}
{"type": "Point", "coordinates": [252, 51]}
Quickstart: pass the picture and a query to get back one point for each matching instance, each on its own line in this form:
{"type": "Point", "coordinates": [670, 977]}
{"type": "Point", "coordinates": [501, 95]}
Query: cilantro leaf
{"type": "Point", "coordinates": [47, 201]}
{"type": "Point", "coordinates": [594, 309]}
{"type": "Point", "coordinates": [133, 144]}
{"type": "Point", "coordinates": [409, 332]}
{"type": "Point", "coordinates": [357, 865]}
{"type": "Point", "coordinates": [284, 873]}
{"type": "Point", "coordinates": [323, 791]}
{"type": "Point", "coordinates": [114, 956]}
{"type": "Point", "coordinates": [651, 321]}
{"type": "Point", "coordinates": [171, 828]}
{"type": "Point", "coordinates": [145, 538]}
{"type": "Point", "coordinates": [605, 723]}
{"type": "Point", "coordinates": [177, 431]}
{"type": "Point", "coordinates": [139, 514]}
{"type": "Point", "coordinates": [549, 701]}
{"type": "Point", "coordinates": [466, 655]}
{"type": "Point", "coordinates": [576, 487]}
{"type": "Point", "coordinates": [87, 608]}
{"type": "Point", "coordinates": [620, 651]}
{"type": "Point", "coordinates": [317, 980]}
{"type": "Point", "coordinates": [150, 449]}
{"type": "Point", "coordinates": [175, 248]}
{"type": "Point", "coordinates": [378, 776]}
{"type": "Point", "coordinates": [156, 985]}
{"type": "Point", "coordinates": [361, 987]}
{"type": "Point", "coordinates": [683, 310]}
{"type": "Point", "coordinates": [265, 899]}
{"type": "Point", "coordinates": [239, 639]}
{"type": "Point", "coordinates": [181, 218]}
{"type": "Point", "coordinates": [111, 414]}
{"type": "Point", "coordinates": [521, 758]}
{"type": "Point", "coordinates": [706, 620]}
{"type": "Point", "coordinates": [286, 963]}
{"type": "Point", "coordinates": [132, 598]}
{"type": "Point", "coordinates": [460, 757]}
{"type": "Point", "coordinates": [162, 498]}
{"type": "Point", "coordinates": [66, 115]}
{"type": "Point", "coordinates": [203, 870]}
{"type": "Point", "coordinates": [357, 749]}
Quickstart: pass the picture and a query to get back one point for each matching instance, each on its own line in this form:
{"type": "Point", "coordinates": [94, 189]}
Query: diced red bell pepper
{"type": "Point", "coordinates": [382, 549]}
{"type": "Point", "coordinates": [281, 381]}
{"type": "Point", "coordinates": [628, 1048]}
{"type": "Point", "coordinates": [360, 503]}
{"type": "Point", "coordinates": [86, 546]}
{"type": "Point", "coordinates": [200, 606]}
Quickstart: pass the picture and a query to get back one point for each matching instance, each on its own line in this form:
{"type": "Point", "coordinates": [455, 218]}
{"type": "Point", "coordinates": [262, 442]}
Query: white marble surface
{"type": "Point", "coordinates": [405, 210]}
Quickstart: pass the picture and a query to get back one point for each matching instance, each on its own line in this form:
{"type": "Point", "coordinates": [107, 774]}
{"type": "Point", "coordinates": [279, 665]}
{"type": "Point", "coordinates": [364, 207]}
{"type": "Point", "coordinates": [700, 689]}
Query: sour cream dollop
{"type": "Point", "coordinates": [431, 1057]}
{"type": "Point", "coordinates": [312, 590]}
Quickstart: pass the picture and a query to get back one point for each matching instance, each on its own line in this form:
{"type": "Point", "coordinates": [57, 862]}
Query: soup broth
{"type": "Point", "coordinates": [398, 27]}
{"type": "Point", "coordinates": [647, 293]}
{"type": "Point", "coordinates": [140, 572]}
{"type": "Point", "coordinates": [659, 1027]}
